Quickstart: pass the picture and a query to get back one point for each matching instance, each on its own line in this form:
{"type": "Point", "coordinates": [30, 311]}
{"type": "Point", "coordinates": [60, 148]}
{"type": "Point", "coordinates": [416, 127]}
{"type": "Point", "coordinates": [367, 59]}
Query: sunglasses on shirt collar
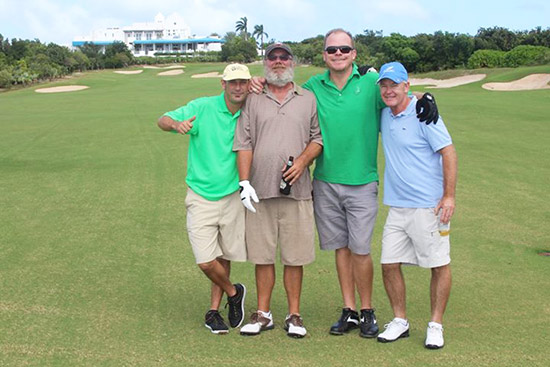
{"type": "Point", "coordinates": [343, 49]}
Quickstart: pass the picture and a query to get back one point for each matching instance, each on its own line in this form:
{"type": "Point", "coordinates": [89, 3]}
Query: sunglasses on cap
{"type": "Point", "coordinates": [284, 57]}
{"type": "Point", "coordinates": [343, 49]}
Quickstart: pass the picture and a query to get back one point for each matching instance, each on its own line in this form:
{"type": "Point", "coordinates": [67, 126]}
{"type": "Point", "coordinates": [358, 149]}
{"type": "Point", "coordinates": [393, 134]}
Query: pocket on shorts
{"type": "Point", "coordinates": [189, 198]}
{"type": "Point", "coordinates": [372, 188]}
{"type": "Point", "coordinates": [433, 249]}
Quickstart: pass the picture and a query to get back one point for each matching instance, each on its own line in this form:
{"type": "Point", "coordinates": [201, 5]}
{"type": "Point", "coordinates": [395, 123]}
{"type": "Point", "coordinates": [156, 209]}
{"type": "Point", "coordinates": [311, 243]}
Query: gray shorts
{"type": "Point", "coordinates": [345, 215]}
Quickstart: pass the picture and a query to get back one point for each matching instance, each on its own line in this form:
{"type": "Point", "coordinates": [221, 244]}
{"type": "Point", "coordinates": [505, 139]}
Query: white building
{"type": "Point", "coordinates": [165, 35]}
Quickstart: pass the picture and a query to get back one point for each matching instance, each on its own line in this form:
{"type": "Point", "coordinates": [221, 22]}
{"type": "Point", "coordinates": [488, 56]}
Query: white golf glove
{"type": "Point", "coordinates": [247, 193]}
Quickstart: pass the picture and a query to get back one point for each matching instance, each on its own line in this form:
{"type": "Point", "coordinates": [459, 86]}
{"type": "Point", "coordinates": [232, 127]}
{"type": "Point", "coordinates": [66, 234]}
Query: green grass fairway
{"type": "Point", "coordinates": [96, 269]}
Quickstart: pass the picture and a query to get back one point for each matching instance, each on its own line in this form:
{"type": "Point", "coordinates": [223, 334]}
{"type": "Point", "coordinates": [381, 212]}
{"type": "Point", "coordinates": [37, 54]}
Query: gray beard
{"type": "Point", "coordinates": [280, 80]}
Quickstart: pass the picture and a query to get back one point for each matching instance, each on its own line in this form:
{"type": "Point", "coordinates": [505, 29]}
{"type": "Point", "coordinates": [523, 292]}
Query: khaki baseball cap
{"type": "Point", "coordinates": [236, 71]}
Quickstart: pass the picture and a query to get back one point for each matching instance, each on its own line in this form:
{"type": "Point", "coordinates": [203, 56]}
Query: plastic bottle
{"type": "Point", "coordinates": [285, 186]}
{"type": "Point", "coordinates": [444, 228]}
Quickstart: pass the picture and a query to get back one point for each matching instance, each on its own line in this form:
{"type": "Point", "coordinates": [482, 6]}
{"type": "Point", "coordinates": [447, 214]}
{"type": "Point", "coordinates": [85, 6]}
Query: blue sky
{"type": "Point", "coordinates": [60, 21]}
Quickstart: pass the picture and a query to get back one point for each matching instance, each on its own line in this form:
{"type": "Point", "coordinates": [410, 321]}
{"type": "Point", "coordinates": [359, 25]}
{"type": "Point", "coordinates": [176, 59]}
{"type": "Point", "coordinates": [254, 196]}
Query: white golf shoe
{"type": "Point", "coordinates": [259, 321]}
{"type": "Point", "coordinates": [434, 336]}
{"type": "Point", "coordinates": [294, 326]}
{"type": "Point", "coordinates": [397, 328]}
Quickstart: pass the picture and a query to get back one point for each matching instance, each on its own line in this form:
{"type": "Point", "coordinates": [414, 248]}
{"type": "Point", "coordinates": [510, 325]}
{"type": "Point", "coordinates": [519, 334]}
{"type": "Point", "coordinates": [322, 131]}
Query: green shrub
{"type": "Point", "coordinates": [486, 59]}
{"type": "Point", "coordinates": [409, 58]}
{"type": "Point", "coordinates": [236, 58]}
{"type": "Point", "coordinates": [238, 49]}
{"type": "Point", "coordinates": [44, 68]}
{"type": "Point", "coordinates": [318, 60]}
{"type": "Point", "coordinates": [209, 56]}
{"type": "Point", "coordinates": [145, 60]}
{"type": "Point", "coordinates": [6, 79]}
{"type": "Point", "coordinates": [526, 55]}
{"type": "Point", "coordinates": [119, 60]}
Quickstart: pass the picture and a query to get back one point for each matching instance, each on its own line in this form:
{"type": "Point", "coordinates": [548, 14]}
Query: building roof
{"type": "Point", "coordinates": [188, 40]}
{"type": "Point", "coordinates": [99, 43]}
{"type": "Point", "coordinates": [153, 42]}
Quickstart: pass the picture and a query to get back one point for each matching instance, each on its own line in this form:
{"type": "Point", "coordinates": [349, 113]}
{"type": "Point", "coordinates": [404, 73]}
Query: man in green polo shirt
{"type": "Point", "coordinates": [215, 216]}
{"type": "Point", "coordinates": [345, 184]}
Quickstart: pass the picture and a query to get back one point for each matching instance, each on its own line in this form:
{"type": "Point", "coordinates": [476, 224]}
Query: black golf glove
{"type": "Point", "coordinates": [426, 109]}
{"type": "Point", "coordinates": [365, 69]}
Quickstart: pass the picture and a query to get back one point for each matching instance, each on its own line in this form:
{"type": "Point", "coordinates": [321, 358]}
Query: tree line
{"type": "Point", "coordinates": [24, 61]}
{"type": "Point", "coordinates": [490, 47]}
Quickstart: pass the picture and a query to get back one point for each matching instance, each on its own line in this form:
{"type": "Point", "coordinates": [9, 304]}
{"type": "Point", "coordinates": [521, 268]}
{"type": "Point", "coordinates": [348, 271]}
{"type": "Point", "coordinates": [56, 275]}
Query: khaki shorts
{"type": "Point", "coordinates": [411, 236]}
{"type": "Point", "coordinates": [286, 221]}
{"type": "Point", "coordinates": [215, 228]}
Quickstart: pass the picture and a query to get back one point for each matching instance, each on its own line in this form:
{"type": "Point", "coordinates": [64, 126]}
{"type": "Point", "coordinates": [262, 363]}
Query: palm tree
{"type": "Point", "coordinates": [242, 26]}
{"type": "Point", "coordinates": [259, 33]}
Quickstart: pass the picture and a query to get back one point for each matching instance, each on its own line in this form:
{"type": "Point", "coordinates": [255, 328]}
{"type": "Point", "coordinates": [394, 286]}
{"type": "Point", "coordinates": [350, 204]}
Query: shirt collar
{"type": "Point", "coordinates": [354, 73]}
{"type": "Point", "coordinates": [411, 108]}
{"type": "Point", "coordinates": [222, 106]}
{"type": "Point", "coordinates": [296, 89]}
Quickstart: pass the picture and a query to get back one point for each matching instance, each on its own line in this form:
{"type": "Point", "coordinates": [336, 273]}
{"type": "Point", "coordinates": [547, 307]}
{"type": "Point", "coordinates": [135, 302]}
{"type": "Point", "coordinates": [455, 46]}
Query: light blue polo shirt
{"type": "Point", "coordinates": [413, 176]}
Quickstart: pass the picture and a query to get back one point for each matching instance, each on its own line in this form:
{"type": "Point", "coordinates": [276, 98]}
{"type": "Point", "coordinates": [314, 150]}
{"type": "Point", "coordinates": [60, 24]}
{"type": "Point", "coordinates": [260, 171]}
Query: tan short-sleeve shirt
{"type": "Point", "coordinates": [274, 131]}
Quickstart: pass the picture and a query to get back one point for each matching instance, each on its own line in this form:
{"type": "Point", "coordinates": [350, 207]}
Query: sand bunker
{"type": "Point", "coordinates": [533, 81]}
{"type": "Point", "coordinates": [171, 72]}
{"type": "Point", "coordinates": [174, 67]}
{"type": "Point", "coordinates": [129, 71]}
{"type": "Point", "coordinates": [214, 74]}
{"type": "Point", "coordinates": [447, 83]}
{"type": "Point", "coordinates": [165, 67]}
{"type": "Point", "coordinates": [66, 88]}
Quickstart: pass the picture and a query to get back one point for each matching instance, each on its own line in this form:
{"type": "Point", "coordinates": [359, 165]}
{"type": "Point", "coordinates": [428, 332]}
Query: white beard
{"type": "Point", "coordinates": [279, 79]}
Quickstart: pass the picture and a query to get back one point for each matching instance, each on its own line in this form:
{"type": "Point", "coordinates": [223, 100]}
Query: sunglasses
{"type": "Point", "coordinates": [343, 49]}
{"type": "Point", "coordinates": [284, 57]}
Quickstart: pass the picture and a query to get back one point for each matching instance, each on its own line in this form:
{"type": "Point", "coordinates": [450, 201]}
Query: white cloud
{"type": "Point", "coordinates": [390, 11]}
{"type": "Point", "coordinates": [208, 16]}
{"type": "Point", "coordinates": [401, 9]}
{"type": "Point", "coordinates": [290, 8]}
{"type": "Point", "coordinates": [51, 22]}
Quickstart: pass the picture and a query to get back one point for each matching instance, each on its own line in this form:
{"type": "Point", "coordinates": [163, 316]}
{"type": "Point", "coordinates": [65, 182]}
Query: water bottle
{"type": "Point", "coordinates": [284, 186]}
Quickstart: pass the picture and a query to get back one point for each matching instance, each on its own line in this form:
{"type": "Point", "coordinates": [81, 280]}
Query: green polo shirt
{"type": "Point", "coordinates": [211, 163]}
{"type": "Point", "coordinates": [350, 123]}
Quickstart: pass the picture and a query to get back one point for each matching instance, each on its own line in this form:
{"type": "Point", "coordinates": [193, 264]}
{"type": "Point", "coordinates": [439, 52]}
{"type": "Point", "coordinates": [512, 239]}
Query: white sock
{"type": "Point", "coordinates": [265, 314]}
{"type": "Point", "coordinates": [436, 324]}
{"type": "Point", "coordinates": [402, 321]}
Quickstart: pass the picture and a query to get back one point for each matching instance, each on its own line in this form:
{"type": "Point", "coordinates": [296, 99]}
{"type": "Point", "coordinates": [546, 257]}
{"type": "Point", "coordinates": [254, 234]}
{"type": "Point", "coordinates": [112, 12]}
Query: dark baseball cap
{"type": "Point", "coordinates": [280, 46]}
